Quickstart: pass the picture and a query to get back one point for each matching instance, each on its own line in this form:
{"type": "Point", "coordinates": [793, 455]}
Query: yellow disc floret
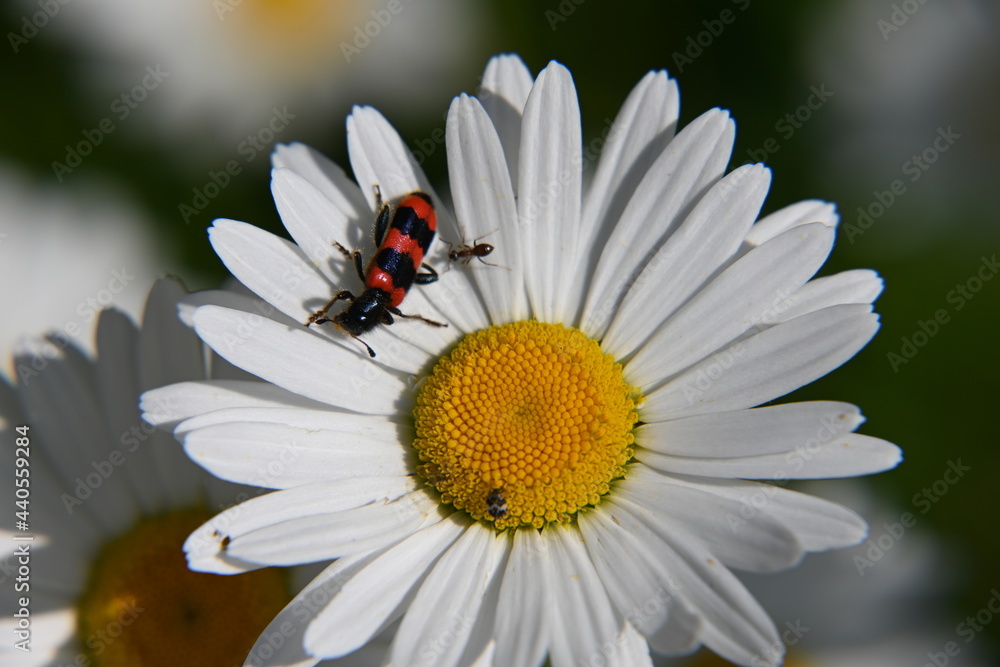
{"type": "Point", "coordinates": [524, 424]}
{"type": "Point", "coordinates": [143, 606]}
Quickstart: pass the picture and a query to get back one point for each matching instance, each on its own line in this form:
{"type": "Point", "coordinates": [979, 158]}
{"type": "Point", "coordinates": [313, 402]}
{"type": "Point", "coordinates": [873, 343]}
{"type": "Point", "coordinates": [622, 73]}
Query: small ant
{"type": "Point", "coordinates": [464, 253]}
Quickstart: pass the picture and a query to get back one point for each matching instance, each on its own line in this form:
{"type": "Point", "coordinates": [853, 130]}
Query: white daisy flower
{"type": "Point", "coordinates": [565, 469]}
{"type": "Point", "coordinates": [107, 506]}
{"type": "Point", "coordinates": [237, 67]}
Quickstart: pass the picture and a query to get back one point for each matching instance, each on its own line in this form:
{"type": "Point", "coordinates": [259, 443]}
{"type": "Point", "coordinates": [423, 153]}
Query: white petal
{"type": "Point", "coordinates": [380, 592]}
{"type": "Point", "coordinates": [759, 544]}
{"type": "Point", "coordinates": [733, 302]}
{"type": "Point", "coordinates": [50, 634]}
{"type": "Point", "coordinates": [632, 648]}
{"type": "Point", "coordinates": [503, 93]}
{"type": "Point", "coordinates": [583, 622]}
{"type": "Point", "coordinates": [818, 524]}
{"type": "Point", "coordinates": [316, 223]}
{"type": "Point", "coordinates": [118, 386]}
{"type": "Point", "coordinates": [856, 286]}
{"type": "Point", "coordinates": [237, 297]}
{"type": "Point", "coordinates": [680, 635]}
{"type": "Point", "coordinates": [687, 260]}
{"type": "Point", "coordinates": [800, 213]}
{"type": "Point", "coordinates": [220, 369]}
{"type": "Point", "coordinates": [742, 628]}
{"type": "Point", "coordinates": [290, 654]}
{"type": "Point", "coordinates": [318, 417]}
{"type": "Point", "coordinates": [284, 356]}
{"type": "Point", "coordinates": [78, 534]}
{"type": "Point", "coordinates": [281, 456]}
{"type": "Point", "coordinates": [379, 157]}
{"type": "Point", "coordinates": [52, 514]}
{"type": "Point", "coordinates": [634, 580]}
{"type": "Point", "coordinates": [522, 619]}
{"type": "Point", "coordinates": [691, 163]}
{"type": "Point", "coordinates": [846, 456]}
{"type": "Point", "coordinates": [628, 571]}
{"type": "Point", "coordinates": [484, 204]}
{"type": "Point", "coordinates": [481, 646]}
{"type": "Point", "coordinates": [167, 406]}
{"type": "Point", "coordinates": [639, 133]}
{"type": "Point", "coordinates": [324, 175]}
{"type": "Point", "coordinates": [169, 351]}
{"type": "Point", "coordinates": [279, 272]}
{"type": "Point", "coordinates": [206, 547]}
{"type": "Point", "coordinates": [275, 269]}
{"type": "Point", "coordinates": [641, 130]}
{"type": "Point", "coordinates": [334, 535]}
{"type": "Point", "coordinates": [372, 654]}
{"type": "Point", "coordinates": [550, 185]}
{"type": "Point", "coordinates": [324, 497]}
{"type": "Point", "coordinates": [769, 430]}
{"type": "Point", "coordinates": [440, 619]}
{"type": "Point", "coordinates": [292, 621]}
{"type": "Point", "coordinates": [765, 366]}
{"type": "Point", "coordinates": [62, 568]}
{"type": "Point", "coordinates": [59, 400]}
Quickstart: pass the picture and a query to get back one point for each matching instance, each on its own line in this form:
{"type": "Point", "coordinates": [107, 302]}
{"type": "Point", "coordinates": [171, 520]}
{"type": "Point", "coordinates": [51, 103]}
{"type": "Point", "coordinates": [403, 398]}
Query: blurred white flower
{"type": "Point", "coordinates": [66, 253]}
{"type": "Point", "coordinates": [105, 503]}
{"type": "Point", "coordinates": [227, 65]}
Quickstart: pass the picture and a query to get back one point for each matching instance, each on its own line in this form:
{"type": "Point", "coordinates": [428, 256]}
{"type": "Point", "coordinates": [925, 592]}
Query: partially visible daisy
{"type": "Point", "coordinates": [110, 505]}
{"type": "Point", "coordinates": [564, 469]}
{"type": "Point", "coordinates": [66, 253]}
{"type": "Point", "coordinates": [225, 67]}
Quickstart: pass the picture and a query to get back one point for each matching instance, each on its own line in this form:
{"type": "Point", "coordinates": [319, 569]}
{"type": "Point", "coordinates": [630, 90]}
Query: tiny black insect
{"type": "Point", "coordinates": [496, 504]}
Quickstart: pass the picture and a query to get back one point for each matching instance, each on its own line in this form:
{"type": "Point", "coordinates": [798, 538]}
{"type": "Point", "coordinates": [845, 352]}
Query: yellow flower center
{"type": "Point", "coordinates": [524, 424]}
{"type": "Point", "coordinates": [289, 34]}
{"type": "Point", "coordinates": [142, 606]}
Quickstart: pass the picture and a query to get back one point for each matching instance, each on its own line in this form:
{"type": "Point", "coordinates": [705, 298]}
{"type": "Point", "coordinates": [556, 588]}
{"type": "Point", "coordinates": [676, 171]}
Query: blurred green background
{"type": "Point", "coordinates": [884, 81]}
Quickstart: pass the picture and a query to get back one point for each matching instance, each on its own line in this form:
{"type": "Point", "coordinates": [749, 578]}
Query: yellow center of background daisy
{"type": "Point", "coordinates": [524, 424]}
{"type": "Point", "coordinates": [295, 33]}
{"type": "Point", "coordinates": [142, 605]}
